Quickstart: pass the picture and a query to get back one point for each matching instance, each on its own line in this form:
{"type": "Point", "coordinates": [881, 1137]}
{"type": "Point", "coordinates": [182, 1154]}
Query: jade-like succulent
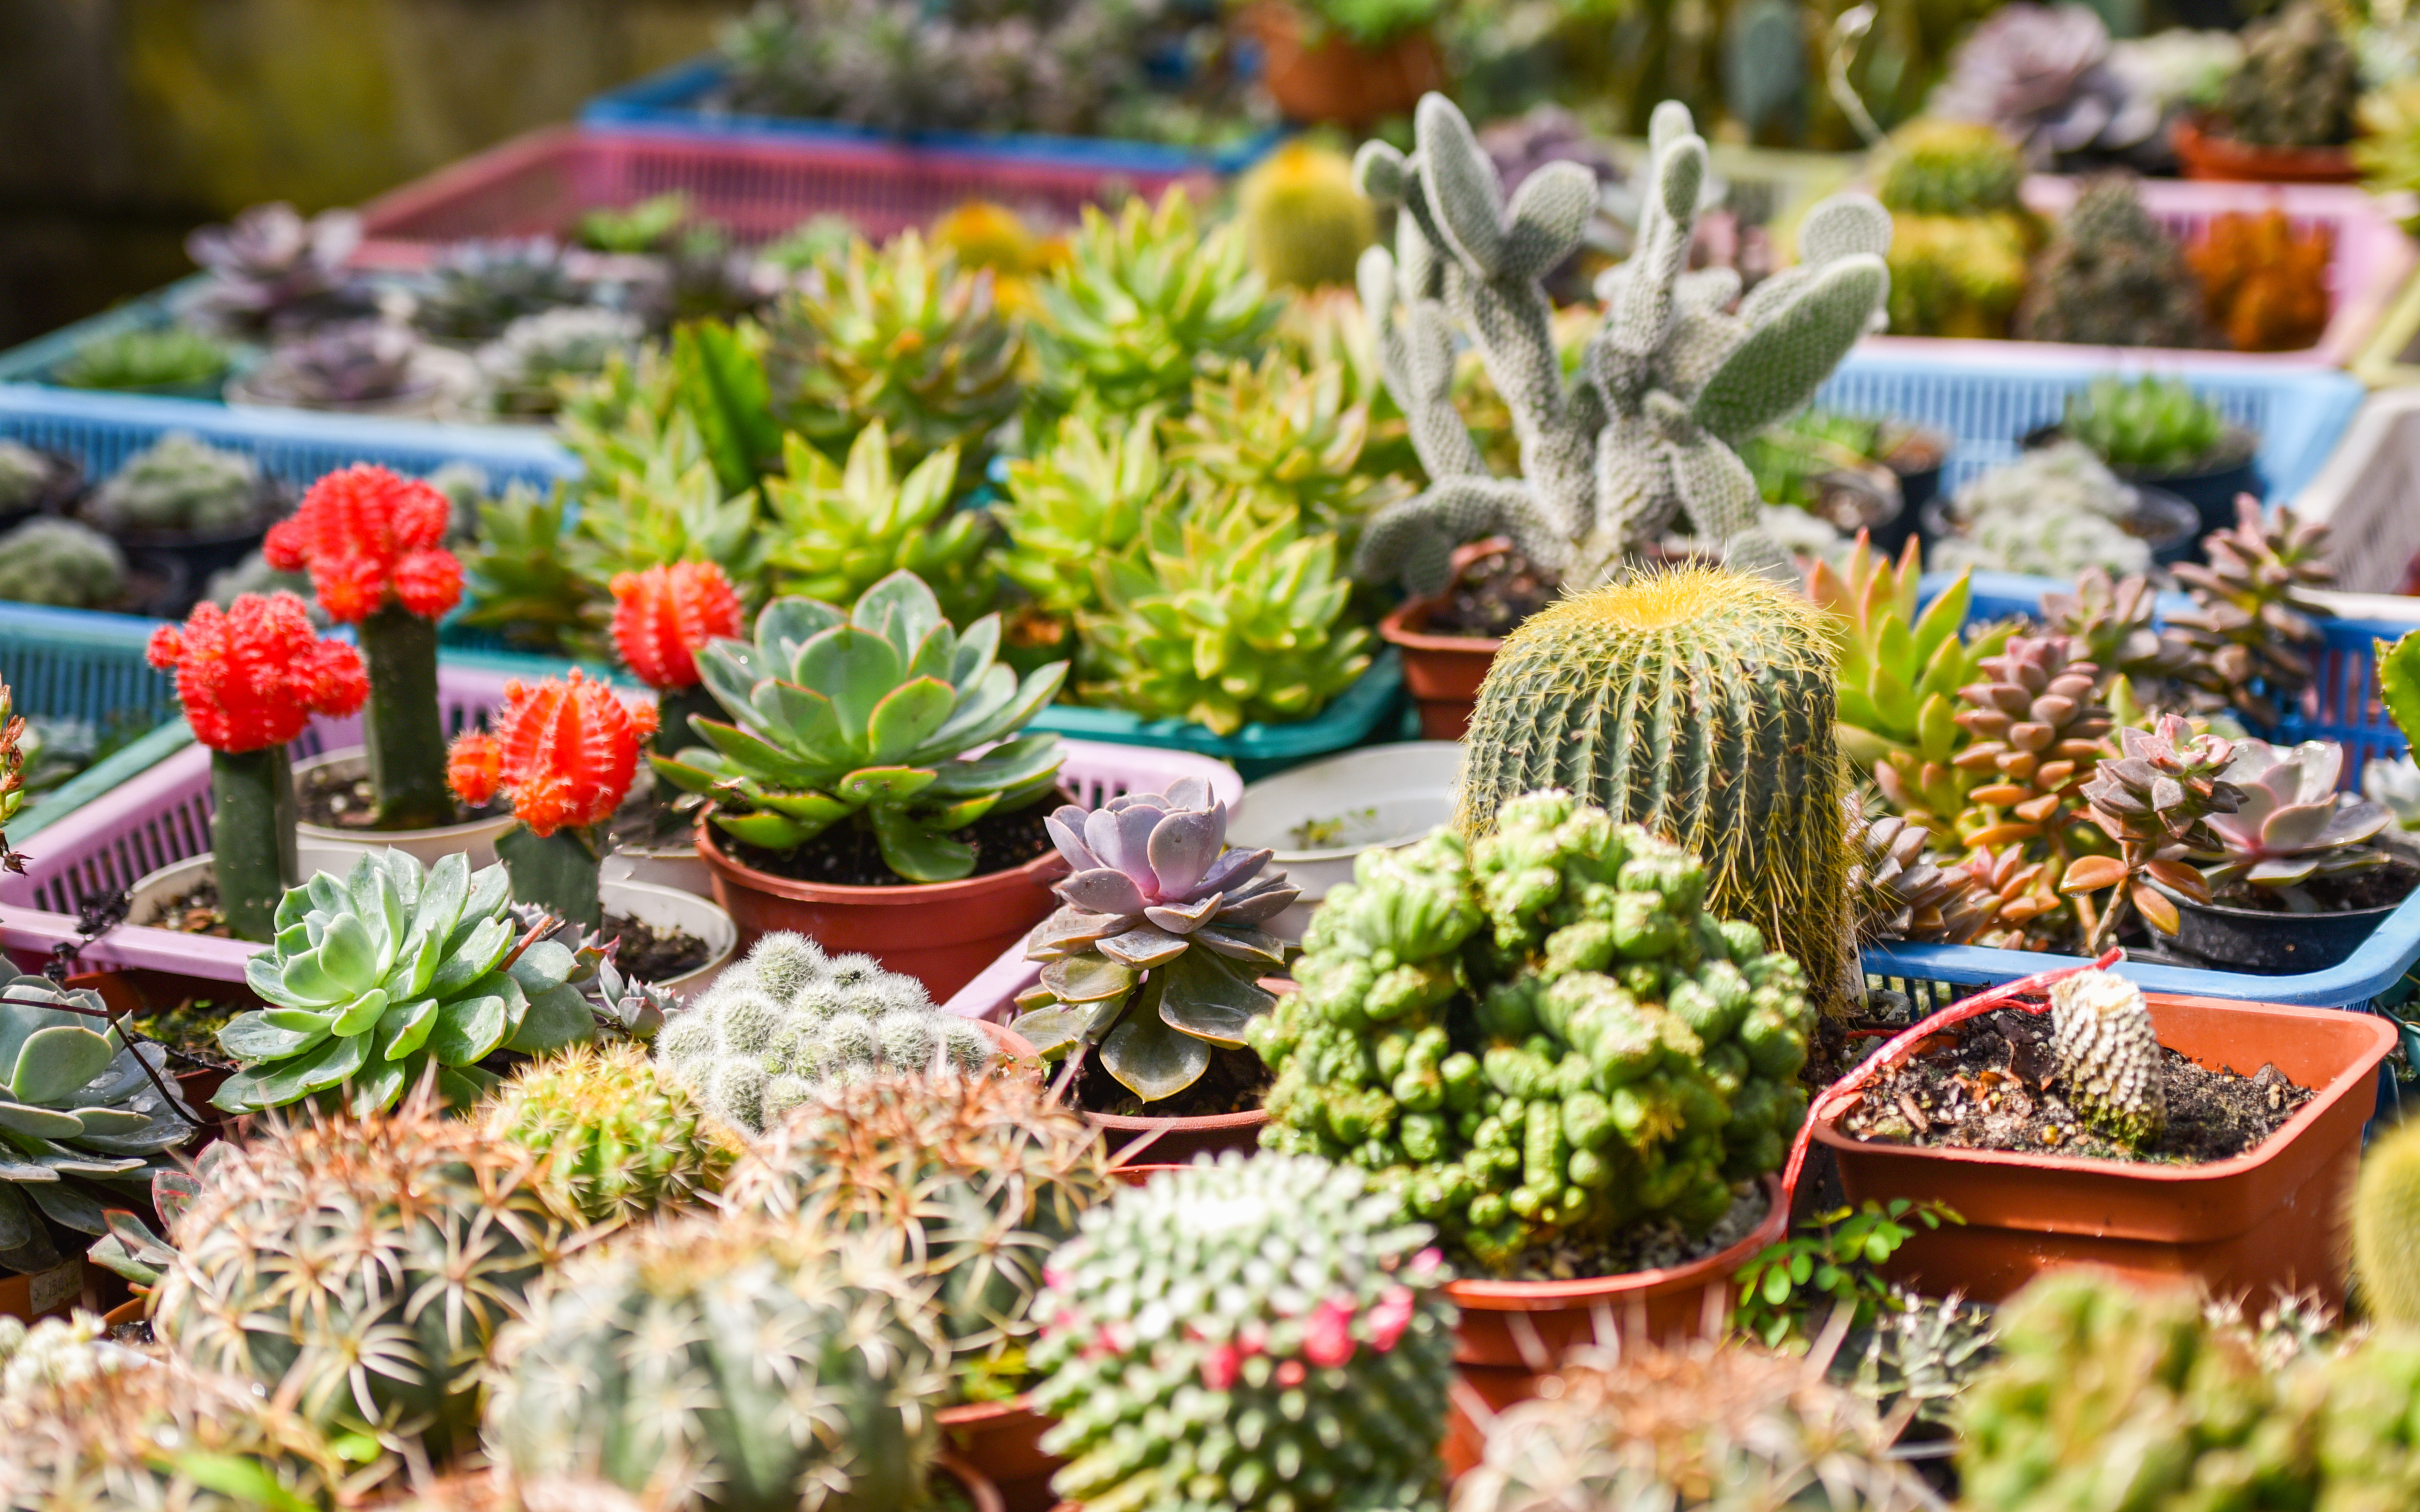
{"type": "Point", "coordinates": [789, 1019]}
{"type": "Point", "coordinates": [2110, 1062]}
{"type": "Point", "coordinates": [2152, 427]}
{"type": "Point", "coordinates": [2290, 826]}
{"type": "Point", "coordinates": [1079, 497]}
{"type": "Point", "coordinates": [178, 483]}
{"type": "Point", "coordinates": [60, 563]}
{"type": "Point", "coordinates": [1264, 1334]}
{"type": "Point", "coordinates": [173, 356]}
{"type": "Point", "coordinates": [2250, 633]}
{"type": "Point", "coordinates": [614, 1138]}
{"type": "Point", "coordinates": [1153, 960]}
{"type": "Point", "coordinates": [392, 976]}
{"type": "Point", "coordinates": [523, 370]}
{"type": "Point", "coordinates": [843, 530]}
{"type": "Point", "coordinates": [865, 716]}
{"type": "Point", "coordinates": [86, 1119]}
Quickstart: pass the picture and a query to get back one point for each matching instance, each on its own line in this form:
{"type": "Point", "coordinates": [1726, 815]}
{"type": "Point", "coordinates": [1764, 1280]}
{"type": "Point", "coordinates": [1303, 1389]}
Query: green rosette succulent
{"type": "Point", "coordinates": [374, 979]}
{"type": "Point", "coordinates": [845, 529]}
{"type": "Point", "coordinates": [1289, 437]}
{"type": "Point", "coordinates": [864, 715]}
{"type": "Point", "coordinates": [1082, 495]}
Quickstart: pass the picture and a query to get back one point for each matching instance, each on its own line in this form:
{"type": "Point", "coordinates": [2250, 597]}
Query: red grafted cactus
{"type": "Point", "coordinates": [368, 537]}
{"type": "Point", "coordinates": [252, 675]}
{"type": "Point", "coordinates": [663, 614]}
{"type": "Point", "coordinates": [564, 751]}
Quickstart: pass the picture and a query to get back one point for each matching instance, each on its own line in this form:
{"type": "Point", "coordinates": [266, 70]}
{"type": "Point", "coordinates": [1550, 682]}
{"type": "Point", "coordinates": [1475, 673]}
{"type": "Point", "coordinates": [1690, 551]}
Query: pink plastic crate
{"type": "Point", "coordinates": [164, 816]}
{"type": "Point", "coordinates": [2371, 257]}
{"type": "Point", "coordinates": [542, 183]}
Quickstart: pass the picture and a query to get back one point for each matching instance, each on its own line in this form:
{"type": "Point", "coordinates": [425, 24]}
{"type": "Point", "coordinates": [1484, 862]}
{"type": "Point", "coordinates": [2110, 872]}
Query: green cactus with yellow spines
{"type": "Point", "coordinates": [2386, 1228]}
{"type": "Point", "coordinates": [1304, 223]}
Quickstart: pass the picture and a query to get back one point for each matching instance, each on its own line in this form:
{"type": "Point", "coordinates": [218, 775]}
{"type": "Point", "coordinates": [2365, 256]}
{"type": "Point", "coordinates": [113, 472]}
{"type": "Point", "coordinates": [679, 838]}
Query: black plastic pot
{"type": "Point", "coordinates": [2161, 521]}
{"type": "Point", "coordinates": [2261, 944]}
{"type": "Point", "coordinates": [2211, 492]}
{"type": "Point", "coordinates": [59, 491]}
{"type": "Point", "coordinates": [204, 552]}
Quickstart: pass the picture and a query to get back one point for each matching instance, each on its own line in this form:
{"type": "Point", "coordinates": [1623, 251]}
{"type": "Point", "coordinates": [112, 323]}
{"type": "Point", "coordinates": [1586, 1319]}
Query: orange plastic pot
{"type": "Point", "coordinates": [43, 1293]}
{"type": "Point", "coordinates": [1177, 1141]}
{"type": "Point", "coordinates": [1334, 79]}
{"type": "Point", "coordinates": [1002, 1442]}
{"type": "Point", "coordinates": [981, 1495]}
{"type": "Point", "coordinates": [2267, 1223]}
{"type": "Point", "coordinates": [941, 933]}
{"type": "Point", "coordinates": [2205, 155]}
{"type": "Point", "coordinates": [1443, 672]}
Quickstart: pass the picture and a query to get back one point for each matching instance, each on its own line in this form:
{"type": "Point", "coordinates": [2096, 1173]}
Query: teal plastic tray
{"type": "Point", "coordinates": [1358, 716]}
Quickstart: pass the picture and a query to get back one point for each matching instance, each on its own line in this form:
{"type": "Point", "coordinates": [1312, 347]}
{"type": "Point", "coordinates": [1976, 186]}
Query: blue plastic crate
{"type": "Point", "coordinates": [677, 98]}
{"type": "Point", "coordinates": [65, 663]}
{"type": "Point", "coordinates": [2300, 413]}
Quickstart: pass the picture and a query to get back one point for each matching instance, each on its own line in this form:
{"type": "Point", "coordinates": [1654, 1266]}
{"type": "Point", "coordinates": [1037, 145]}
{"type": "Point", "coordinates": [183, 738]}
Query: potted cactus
{"type": "Point", "coordinates": [35, 482]}
{"type": "Point", "coordinates": [1151, 977]}
{"type": "Point", "coordinates": [2157, 432]}
{"type": "Point", "coordinates": [565, 753]}
{"type": "Point", "coordinates": [183, 497]}
{"type": "Point", "coordinates": [371, 542]}
{"type": "Point", "coordinates": [249, 680]}
{"type": "Point", "coordinates": [663, 616]}
{"type": "Point", "coordinates": [2287, 113]}
{"type": "Point", "coordinates": [69, 565]}
{"type": "Point", "coordinates": [1346, 62]}
{"type": "Point", "coordinates": [845, 804]}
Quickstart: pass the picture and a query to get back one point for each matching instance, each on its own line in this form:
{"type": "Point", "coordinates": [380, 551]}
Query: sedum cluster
{"type": "Point", "coordinates": [1543, 1043]}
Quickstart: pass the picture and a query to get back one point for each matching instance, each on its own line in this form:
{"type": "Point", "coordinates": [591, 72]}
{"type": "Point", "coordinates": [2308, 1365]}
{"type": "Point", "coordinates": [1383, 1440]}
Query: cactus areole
{"type": "Point", "coordinates": [372, 543]}
{"type": "Point", "coordinates": [249, 679]}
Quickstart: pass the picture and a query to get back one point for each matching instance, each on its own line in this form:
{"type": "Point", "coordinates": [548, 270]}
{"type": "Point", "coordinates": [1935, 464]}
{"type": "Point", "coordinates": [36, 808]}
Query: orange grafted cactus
{"type": "Point", "coordinates": [663, 614]}
{"type": "Point", "coordinates": [369, 537]}
{"type": "Point", "coordinates": [252, 675]}
{"type": "Point", "coordinates": [564, 751]}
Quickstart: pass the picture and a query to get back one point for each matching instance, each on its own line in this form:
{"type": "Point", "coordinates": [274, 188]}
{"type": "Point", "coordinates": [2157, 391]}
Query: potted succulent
{"type": "Point", "coordinates": [361, 368]}
{"type": "Point", "coordinates": [1855, 473]}
{"type": "Point", "coordinates": [35, 482]}
{"type": "Point", "coordinates": [172, 360]}
{"type": "Point", "coordinates": [1152, 965]}
{"type": "Point", "coordinates": [371, 542]}
{"type": "Point", "coordinates": [2131, 1136]}
{"type": "Point", "coordinates": [2287, 113]}
{"type": "Point", "coordinates": [843, 800]}
{"type": "Point", "coordinates": [275, 272]}
{"type": "Point", "coordinates": [1346, 62]}
{"type": "Point", "coordinates": [2055, 511]}
{"type": "Point", "coordinates": [2112, 276]}
{"type": "Point", "coordinates": [566, 753]}
{"type": "Point", "coordinates": [183, 497]}
{"type": "Point", "coordinates": [2157, 432]}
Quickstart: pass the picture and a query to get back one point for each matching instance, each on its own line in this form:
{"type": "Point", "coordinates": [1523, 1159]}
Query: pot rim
{"type": "Point", "coordinates": [2225, 910]}
{"type": "Point", "coordinates": [2383, 1034]}
{"type": "Point", "coordinates": [1488, 1295]}
{"type": "Point", "coordinates": [1194, 1123]}
{"type": "Point", "coordinates": [982, 1414]}
{"type": "Point", "coordinates": [907, 894]}
{"type": "Point", "coordinates": [381, 839]}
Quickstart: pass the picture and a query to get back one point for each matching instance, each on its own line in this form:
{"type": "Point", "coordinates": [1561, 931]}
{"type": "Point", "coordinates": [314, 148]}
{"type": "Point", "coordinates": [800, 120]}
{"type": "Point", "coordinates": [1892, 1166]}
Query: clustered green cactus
{"type": "Point", "coordinates": [1545, 1042]}
{"type": "Point", "coordinates": [773, 1027]}
{"type": "Point", "coordinates": [614, 1137]}
{"type": "Point", "coordinates": [62, 563]}
{"type": "Point", "coordinates": [180, 483]}
{"type": "Point", "coordinates": [1270, 1336]}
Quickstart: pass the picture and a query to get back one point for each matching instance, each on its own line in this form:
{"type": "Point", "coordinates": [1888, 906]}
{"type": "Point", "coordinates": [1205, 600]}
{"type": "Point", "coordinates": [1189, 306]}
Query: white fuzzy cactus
{"type": "Point", "coordinates": [1673, 383]}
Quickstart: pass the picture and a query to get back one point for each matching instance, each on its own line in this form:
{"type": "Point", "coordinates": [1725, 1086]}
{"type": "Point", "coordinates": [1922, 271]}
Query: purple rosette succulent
{"type": "Point", "coordinates": [1155, 957]}
{"type": "Point", "coordinates": [2290, 825]}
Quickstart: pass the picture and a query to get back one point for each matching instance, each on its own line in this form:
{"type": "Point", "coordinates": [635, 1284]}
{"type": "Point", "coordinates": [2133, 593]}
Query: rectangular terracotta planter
{"type": "Point", "coordinates": [2265, 1223]}
{"type": "Point", "coordinates": [43, 1293]}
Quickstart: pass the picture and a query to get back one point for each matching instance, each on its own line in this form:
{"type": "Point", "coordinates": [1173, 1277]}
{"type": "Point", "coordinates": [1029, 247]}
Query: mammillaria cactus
{"type": "Point", "coordinates": [787, 1019]}
{"type": "Point", "coordinates": [2109, 1056]}
{"type": "Point", "coordinates": [178, 483]}
{"type": "Point", "coordinates": [1153, 960]}
{"type": "Point", "coordinates": [984, 1176]}
{"type": "Point", "coordinates": [359, 1267]}
{"type": "Point", "coordinates": [1262, 1335]}
{"type": "Point", "coordinates": [662, 618]}
{"type": "Point", "coordinates": [565, 752]}
{"type": "Point", "coordinates": [1146, 303]}
{"type": "Point", "coordinates": [85, 1118]}
{"type": "Point", "coordinates": [614, 1138]}
{"type": "Point", "coordinates": [1719, 1427]}
{"type": "Point", "coordinates": [864, 716]}
{"type": "Point", "coordinates": [1305, 224]}
{"type": "Point", "coordinates": [61, 563]}
{"type": "Point", "coordinates": [844, 529]}
{"type": "Point", "coordinates": [25, 474]}
{"type": "Point", "coordinates": [1671, 383]}
{"type": "Point", "coordinates": [2252, 612]}
{"type": "Point", "coordinates": [901, 337]}
{"type": "Point", "coordinates": [373, 544]}
{"type": "Point", "coordinates": [2153, 801]}
{"type": "Point", "coordinates": [249, 679]}
{"type": "Point", "coordinates": [1080, 496]}
{"type": "Point", "coordinates": [274, 269]}
{"type": "Point", "coordinates": [2113, 278]}
{"type": "Point", "coordinates": [525, 368]}
{"type": "Point", "coordinates": [2053, 511]}
{"type": "Point", "coordinates": [2289, 826]}
{"type": "Point", "coordinates": [2298, 83]}
{"type": "Point", "coordinates": [394, 976]}
{"type": "Point", "coordinates": [1699, 703]}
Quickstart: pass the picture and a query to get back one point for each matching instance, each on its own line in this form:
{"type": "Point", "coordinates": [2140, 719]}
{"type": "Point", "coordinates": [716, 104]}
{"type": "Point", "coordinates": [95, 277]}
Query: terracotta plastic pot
{"type": "Point", "coordinates": [1513, 1332]}
{"type": "Point", "coordinates": [1176, 1141]}
{"type": "Point", "coordinates": [1002, 1442]}
{"type": "Point", "coordinates": [981, 1495]}
{"type": "Point", "coordinates": [941, 933]}
{"type": "Point", "coordinates": [1443, 672]}
{"type": "Point", "coordinates": [2267, 1223]}
{"type": "Point", "coordinates": [1334, 79]}
{"type": "Point", "coordinates": [43, 1293]}
{"type": "Point", "coordinates": [2204, 155]}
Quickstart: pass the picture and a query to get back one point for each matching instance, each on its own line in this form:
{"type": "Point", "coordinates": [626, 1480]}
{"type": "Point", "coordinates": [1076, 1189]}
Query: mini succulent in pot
{"type": "Point", "coordinates": [2160, 799]}
{"type": "Point", "coordinates": [169, 357]}
{"type": "Point", "coordinates": [357, 365]}
{"type": "Point", "coordinates": [274, 269]}
{"type": "Point", "coordinates": [249, 679]}
{"type": "Point", "coordinates": [2152, 427]}
{"type": "Point", "coordinates": [372, 543]}
{"type": "Point", "coordinates": [2290, 827]}
{"type": "Point", "coordinates": [477, 289]}
{"type": "Point", "coordinates": [525, 368]}
{"type": "Point", "coordinates": [1153, 961]}
{"type": "Point", "coordinates": [177, 484]}
{"type": "Point", "coordinates": [61, 563]}
{"type": "Point", "coordinates": [565, 752]}
{"type": "Point", "coordinates": [864, 716]}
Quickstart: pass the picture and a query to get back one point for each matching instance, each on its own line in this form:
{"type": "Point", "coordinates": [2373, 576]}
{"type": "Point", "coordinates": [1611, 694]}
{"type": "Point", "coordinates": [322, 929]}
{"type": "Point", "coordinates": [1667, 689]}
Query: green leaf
{"type": "Point", "coordinates": [362, 1015]}
{"type": "Point", "coordinates": [252, 1038]}
{"type": "Point", "coordinates": [325, 1064]}
{"type": "Point", "coordinates": [770, 831]}
{"type": "Point", "coordinates": [855, 668]}
{"type": "Point", "coordinates": [468, 1028]}
{"type": "Point", "coordinates": [1943, 618]}
{"type": "Point", "coordinates": [1777, 1287]}
{"type": "Point", "coordinates": [348, 954]}
{"type": "Point", "coordinates": [1152, 1060]}
{"type": "Point", "coordinates": [55, 1061]}
{"type": "Point", "coordinates": [305, 977]}
{"type": "Point", "coordinates": [721, 383]}
{"type": "Point", "coordinates": [44, 1123]}
{"type": "Point", "coordinates": [916, 852]}
{"type": "Point", "coordinates": [558, 1017]}
{"type": "Point", "coordinates": [260, 973]}
{"type": "Point", "coordinates": [902, 606]}
{"type": "Point", "coordinates": [405, 1028]}
{"type": "Point", "coordinates": [907, 717]}
{"type": "Point", "coordinates": [103, 1123]}
{"type": "Point", "coordinates": [1003, 767]}
{"type": "Point", "coordinates": [791, 622]}
{"type": "Point", "coordinates": [474, 958]}
{"type": "Point", "coordinates": [886, 785]}
{"type": "Point", "coordinates": [1202, 997]}
{"type": "Point", "coordinates": [70, 1207]}
{"type": "Point", "coordinates": [1052, 1030]}
{"type": "Point", "coordinates": [2399, 682]}
{"type": "Point", "coordinates": [1088, 978]}
{"type": "Point", "coordinates": [814, 808]}
{"type": "Point", "coordinates": [806, 722]}
{"type": "Point", "coordinates": [760, 758]}
{"type": "Point", "coordinates": [443, 895]}
{"type": "Point", "coordinates": [687, 776]}
{"type": "Point", "coordinates": [242, 1480]}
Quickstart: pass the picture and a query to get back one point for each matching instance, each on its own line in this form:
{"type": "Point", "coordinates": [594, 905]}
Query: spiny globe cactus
{"type": "Point", "coordinates": [373, 544]}
{"type": "Point", "coordinates": [984, 1176]}
{"type": "Point", "coordinates": [2386, 1228]}
{"type": "Point", "coordinates": [1270, 1334]}
{"type": "Point", "coordinates": [180, 483]}
{"type": "Point", "coordinates": [2110, 1065]}
{"type": "Point", "coordinates": [1699, 703]}
{"type": "Point", "coordinates": [249, 679]}
{"type": "Point", "coordinates": [728, 1363]}
{"type": "Point", "coordinates": [1305, 224]}
{"type": "Point", "coordinates": [359, 1267]}
{"type": "Point", "coordinates": [2299, 82]}
{"type": "Point", "coordinates": [614, 1138]}
{"type": "Point", "coordinates": [1153, 880]}
{"type": "Point", "coordinates": [62, 563]}
{"type": "Point", "coordinates": [788, 1017]}
{"type": "Point", "coordinates": [847, 528]}
{"type": "Point", "coordinates": [2113, 278]}
{"type": "Point", "coordinates": [565, 752]}
{"type": "Point", "coordinates": [392, 976]}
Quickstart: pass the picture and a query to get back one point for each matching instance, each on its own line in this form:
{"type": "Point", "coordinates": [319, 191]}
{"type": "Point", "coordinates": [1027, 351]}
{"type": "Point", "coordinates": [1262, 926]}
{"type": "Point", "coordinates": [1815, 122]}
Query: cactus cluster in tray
{"type": "Point", "coordinates": [1544, 1042]}
{"type": "Point", "coordinates": [61, 564]}
{"type": "Point", "coordinates": [1304, 222]}
{"type": "Point", "coordinates": [180, 483]}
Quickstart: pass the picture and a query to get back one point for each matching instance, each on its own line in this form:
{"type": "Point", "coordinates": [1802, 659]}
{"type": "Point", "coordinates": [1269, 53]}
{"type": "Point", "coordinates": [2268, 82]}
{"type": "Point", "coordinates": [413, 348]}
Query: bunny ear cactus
{"type": "Point", "coordinates": [249, 679]}
{"type": "Point", "coordinates": [565, 752]}
{"type": "Point", "coordinates": [1671, 385]}
{"type": "Point", "coordinates": [85, 1118]}
{"type": "Point", "coordinates": [373, 545]}
{"type": "Point", "coordinates": [1154, 961]}
{"type": "Point", "coordinates": [864, 715]}
{"type": "Point", "coordinates": [392, 974]}
{"type": "Point", "coordinates": [845, 528]}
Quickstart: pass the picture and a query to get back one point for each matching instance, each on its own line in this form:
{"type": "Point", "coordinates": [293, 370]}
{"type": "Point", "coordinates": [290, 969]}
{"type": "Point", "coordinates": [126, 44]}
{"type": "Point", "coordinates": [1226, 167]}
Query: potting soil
{"type": "Point", "coordinates": [1658, 1245]}
{"type": "Point", "coordinates": [335, 802]}
{"type": "Point", "coordinates": [1492, 598]}
{"type": "Point", "coordinates": [648, 954]}
{"type": "Point", "coordinates": [847, 856]}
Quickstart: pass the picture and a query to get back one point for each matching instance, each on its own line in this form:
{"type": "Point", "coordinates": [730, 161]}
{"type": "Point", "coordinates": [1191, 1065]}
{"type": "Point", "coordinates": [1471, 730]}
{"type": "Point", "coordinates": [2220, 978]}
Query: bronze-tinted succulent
{"type": "Point", "coordinates": [2155, 801]}
{"type": "Point", "coordinates": [2250, 627]}
{"type": "Point", "coordinates": [1904, 891]}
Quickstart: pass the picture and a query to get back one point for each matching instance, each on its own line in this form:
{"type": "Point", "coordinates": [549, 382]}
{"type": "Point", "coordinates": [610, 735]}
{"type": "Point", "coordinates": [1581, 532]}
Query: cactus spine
{"type": "Point", "coordinates": [1698, 704]}
{"type": "Point", "coordinates": [2386, 1228]}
